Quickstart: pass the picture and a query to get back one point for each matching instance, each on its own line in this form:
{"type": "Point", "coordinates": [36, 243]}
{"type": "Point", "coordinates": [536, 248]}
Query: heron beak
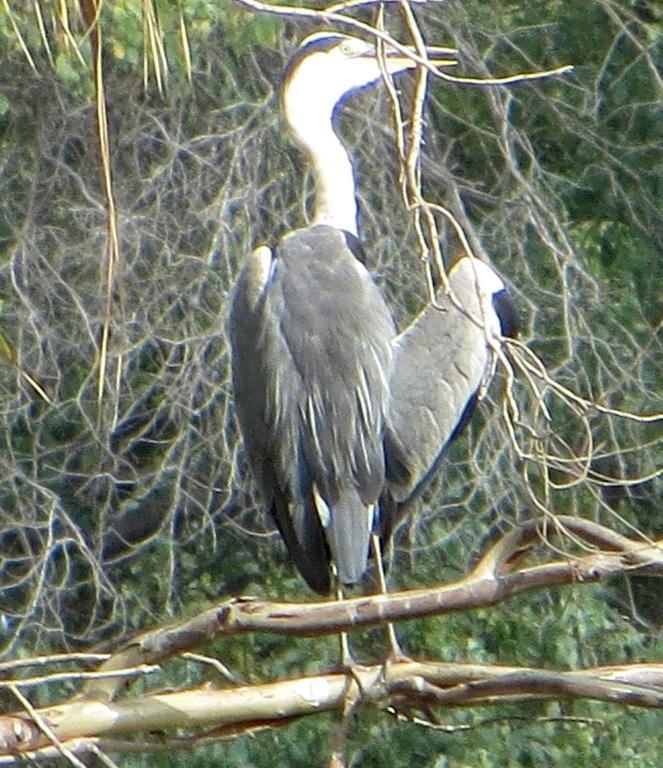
{"type": "Point", "coordinates": [436, 56]}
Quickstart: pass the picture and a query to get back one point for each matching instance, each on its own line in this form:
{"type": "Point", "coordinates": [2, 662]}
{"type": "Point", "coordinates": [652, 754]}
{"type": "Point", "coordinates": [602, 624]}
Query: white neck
{"type": "Point", "coordinates": [314, 86]}
{"type": "Point", "coordinates": [311, 125]}
{"type": "Point", "coordinates": [335, 201]}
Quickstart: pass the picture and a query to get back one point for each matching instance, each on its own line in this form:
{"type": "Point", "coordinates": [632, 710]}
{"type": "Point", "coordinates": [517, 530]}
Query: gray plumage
{"type": "Point", "coordinates": [312, 340]}
{"type": "Point", "coordinates": [311, 362]}
{"type": "Point", "coordinates": [311, 337]}
{"type": "Point", "coordinates": [442, 361]}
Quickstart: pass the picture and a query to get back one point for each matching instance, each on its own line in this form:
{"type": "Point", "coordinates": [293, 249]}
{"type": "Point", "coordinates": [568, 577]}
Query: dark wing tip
{"type": "Point", "coordinates": [507, 314]}
{"type": "Point", "coordinates": [313, 562]}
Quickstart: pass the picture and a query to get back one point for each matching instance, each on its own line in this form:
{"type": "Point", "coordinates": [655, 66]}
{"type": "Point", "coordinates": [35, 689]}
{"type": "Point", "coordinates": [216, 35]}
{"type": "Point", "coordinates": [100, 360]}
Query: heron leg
{"type": "Point", "coordinates": [395, 652]}
{"type": "Point", "coordinates": [347, 661]}
{"type": "Point", "coordinates": [353, 697]}
{"type": "Point", "coordinates": [350, 704]}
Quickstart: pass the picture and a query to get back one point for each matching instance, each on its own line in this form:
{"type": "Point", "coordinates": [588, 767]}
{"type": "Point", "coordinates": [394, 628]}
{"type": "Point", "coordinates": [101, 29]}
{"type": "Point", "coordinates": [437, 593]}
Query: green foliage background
{"type": "Point", "coordinates": [118, 518]}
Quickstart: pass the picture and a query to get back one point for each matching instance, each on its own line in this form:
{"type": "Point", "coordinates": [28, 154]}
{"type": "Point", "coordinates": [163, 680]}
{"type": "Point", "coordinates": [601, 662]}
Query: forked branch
{"type": "Point", "coordinates": [583, 551]}
{"type": "Point", "coordinates": [502, 573]}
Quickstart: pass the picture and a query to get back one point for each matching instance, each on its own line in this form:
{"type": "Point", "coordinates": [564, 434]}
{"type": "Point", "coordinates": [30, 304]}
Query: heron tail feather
{"type": "Point", "coordinates": [349, 535]}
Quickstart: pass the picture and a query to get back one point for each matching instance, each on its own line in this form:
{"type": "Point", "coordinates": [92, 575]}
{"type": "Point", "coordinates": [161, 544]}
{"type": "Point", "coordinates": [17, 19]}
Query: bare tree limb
{"type": "Point", "coordinates": [407, 684]}
{"type": "Point", "coordinates": [489, 583]}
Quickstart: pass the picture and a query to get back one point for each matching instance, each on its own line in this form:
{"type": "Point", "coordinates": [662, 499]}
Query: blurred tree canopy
{"type": "Point", "coordinates": [127, 510]}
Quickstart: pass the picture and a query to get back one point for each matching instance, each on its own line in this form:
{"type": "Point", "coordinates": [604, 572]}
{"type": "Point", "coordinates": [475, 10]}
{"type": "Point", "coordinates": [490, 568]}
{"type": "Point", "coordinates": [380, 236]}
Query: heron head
{"type": "Point", "coordinates": [329, 65]}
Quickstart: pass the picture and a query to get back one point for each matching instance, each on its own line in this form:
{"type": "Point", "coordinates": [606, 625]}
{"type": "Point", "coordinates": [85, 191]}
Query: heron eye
{"type": "Point", "coordinates": [347, 48]}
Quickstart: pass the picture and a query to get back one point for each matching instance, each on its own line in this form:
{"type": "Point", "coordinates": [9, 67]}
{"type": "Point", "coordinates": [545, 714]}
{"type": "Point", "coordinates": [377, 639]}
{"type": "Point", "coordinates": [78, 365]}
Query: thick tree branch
{"type": "Point", "coordinates": [403, 685]}
{"type": "Point", "coordinates": [494, 579]}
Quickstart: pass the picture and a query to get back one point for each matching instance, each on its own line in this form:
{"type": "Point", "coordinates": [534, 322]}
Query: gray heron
{"type": "Point", "coordinates": [443, 362]}
{"type": "Point", "coordinates": [311, 338]}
